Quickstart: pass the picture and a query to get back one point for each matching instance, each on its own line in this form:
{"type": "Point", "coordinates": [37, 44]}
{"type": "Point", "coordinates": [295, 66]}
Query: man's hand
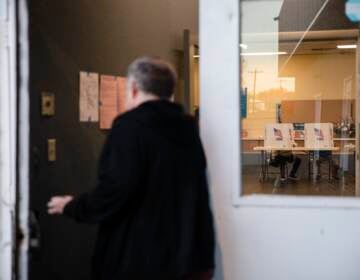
{"type": "Point", "coordinates": [57, 204]}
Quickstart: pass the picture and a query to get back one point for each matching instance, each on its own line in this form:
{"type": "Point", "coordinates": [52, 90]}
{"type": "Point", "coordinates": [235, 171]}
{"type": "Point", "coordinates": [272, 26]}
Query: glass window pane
{"type": "Point", "coordinates": [298, 93]}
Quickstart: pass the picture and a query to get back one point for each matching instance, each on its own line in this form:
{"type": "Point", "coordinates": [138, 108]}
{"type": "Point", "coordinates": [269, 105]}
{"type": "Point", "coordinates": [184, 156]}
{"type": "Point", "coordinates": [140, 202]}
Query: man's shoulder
{"type": "Point", "coordinates": [126, 121]}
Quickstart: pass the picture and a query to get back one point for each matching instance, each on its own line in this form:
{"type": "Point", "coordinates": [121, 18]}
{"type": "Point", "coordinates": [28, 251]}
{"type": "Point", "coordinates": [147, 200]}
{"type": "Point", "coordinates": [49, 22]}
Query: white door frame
{"type": "Point", "coordinates": [23, 140]}
{"type": "Point", "coordinates": [7, 137]}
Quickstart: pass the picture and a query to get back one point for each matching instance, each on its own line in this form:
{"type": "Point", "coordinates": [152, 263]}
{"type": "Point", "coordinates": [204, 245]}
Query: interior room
{"type": "Point", "coordinates": [299, 68]}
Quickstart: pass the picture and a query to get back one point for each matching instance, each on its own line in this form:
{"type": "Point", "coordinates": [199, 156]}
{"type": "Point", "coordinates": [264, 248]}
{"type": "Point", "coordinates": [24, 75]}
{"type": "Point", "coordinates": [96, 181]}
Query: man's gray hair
{"type": "Point", "coordinates": [153, 76]}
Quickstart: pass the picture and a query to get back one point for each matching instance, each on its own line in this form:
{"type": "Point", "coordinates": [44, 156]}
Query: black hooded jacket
{"type": "Point", "coordinates": [151, 200]}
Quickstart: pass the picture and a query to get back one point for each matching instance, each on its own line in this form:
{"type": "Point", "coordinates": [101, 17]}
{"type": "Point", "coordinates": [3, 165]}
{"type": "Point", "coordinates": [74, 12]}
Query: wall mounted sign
{"type": "Point", "coordinates": [121, 94]}
{"type": "Point", "coordinates": [108, 100]}
{"type": "Point", "coordinates": [112, 99]}
{"type": "Point", "coordinates": [89, 97]}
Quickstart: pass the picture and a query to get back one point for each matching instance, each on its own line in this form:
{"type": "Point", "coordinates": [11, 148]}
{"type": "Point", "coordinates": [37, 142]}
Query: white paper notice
{"type": "Point", "coordinates": [89, 97]}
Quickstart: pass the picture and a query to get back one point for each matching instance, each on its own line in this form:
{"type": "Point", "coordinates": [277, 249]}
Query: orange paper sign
{"type": "Point", "coordinates": [121, 94]}
{"type": "Point", "coordinates": [112, 99]}
{"type": "Point", "coordinates": [108, 101]}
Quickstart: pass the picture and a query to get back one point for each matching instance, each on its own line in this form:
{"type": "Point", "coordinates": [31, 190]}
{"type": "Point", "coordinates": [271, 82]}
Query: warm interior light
{"type": "Point", "coordinates": [262, 53]}
{"type": "Point", "coordinates": [255, 54]}
{"type": "Point", "coordinates": [243, 46]}
{"type": "Point", "coordinates": [346, 46]}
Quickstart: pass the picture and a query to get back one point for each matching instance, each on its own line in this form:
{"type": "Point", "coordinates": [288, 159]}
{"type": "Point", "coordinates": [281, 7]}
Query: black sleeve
{"type": "Point", "coordinates": [206, 231]}
{"type": "Point", "coordinates": [120, 168]}
{"type": "Point", "coordinates": [205, 226]}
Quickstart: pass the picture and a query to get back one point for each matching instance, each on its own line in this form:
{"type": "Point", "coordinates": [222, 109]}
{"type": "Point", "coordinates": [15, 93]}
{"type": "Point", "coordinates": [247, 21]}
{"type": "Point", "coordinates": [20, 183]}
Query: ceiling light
{"type": "Point", "coordinates": [243, 46]}
{"type": "Point", "coordinates": [262, 53]}
{"type": "Point", "coordinates": [346, 46]}
{"type": "Point", "coordinates": [255, 54]}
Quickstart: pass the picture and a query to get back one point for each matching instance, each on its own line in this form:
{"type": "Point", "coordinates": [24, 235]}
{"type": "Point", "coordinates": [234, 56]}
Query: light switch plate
{"type": "Point", "coordinates": [47, 104]}
{"type": "Point", "coordinates": [51, 150]}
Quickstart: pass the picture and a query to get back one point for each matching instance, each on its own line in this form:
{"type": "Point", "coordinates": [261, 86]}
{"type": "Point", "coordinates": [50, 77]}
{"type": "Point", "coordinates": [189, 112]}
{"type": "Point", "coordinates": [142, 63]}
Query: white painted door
{"type": "Point", "coordinates": [7, 138]}
{"type": "Point", "coordinates": [262, 236]}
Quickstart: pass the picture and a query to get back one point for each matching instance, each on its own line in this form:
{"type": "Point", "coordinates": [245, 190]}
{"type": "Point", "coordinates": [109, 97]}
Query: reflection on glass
{"type": "Point", "coordinates": [298, 68]}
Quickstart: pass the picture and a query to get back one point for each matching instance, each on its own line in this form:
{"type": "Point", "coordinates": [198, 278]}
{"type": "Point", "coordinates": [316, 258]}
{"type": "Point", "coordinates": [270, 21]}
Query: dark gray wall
{"type": "Point", "coordinates": [67, 37]}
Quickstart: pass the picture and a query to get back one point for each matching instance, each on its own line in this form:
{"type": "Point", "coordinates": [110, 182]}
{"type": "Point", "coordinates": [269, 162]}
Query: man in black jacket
{"type": "Point", "coordinates": [151, 199]}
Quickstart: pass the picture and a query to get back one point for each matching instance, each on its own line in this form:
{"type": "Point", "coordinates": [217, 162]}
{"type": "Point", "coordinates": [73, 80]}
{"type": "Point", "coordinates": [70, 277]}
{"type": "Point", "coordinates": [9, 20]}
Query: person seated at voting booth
{"type": "Point", "coordinates": [324, 156]}
{"type": "Point", "coordinates": [281, 160]}
{"type": "Point", "coordinates": [281, 136]}
{"type": "Point", "coordinates": [320, 135]}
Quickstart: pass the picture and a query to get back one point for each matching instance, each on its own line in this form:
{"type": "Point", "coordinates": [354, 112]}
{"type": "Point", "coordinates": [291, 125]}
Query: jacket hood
{"type": "Point", "coordinates": [167, 119]}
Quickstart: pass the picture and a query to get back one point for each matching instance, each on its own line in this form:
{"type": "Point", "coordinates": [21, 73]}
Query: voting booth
{"type": "Point", "coordinates": [319, 135]}
{"type": "Point", "coordinates": [278, 135]}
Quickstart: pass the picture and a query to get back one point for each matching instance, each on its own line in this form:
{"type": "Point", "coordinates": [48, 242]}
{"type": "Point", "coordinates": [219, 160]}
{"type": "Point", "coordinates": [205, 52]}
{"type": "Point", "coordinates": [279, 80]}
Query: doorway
{"type": "Point", "coordinates": [66, 40]}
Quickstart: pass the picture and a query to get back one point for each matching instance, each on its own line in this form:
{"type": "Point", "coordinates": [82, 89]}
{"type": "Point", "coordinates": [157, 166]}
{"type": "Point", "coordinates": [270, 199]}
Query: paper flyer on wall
{"type": "Point", "coordinates": [89, 97]}
{"type": "Point", "coordinates": [108, 100]}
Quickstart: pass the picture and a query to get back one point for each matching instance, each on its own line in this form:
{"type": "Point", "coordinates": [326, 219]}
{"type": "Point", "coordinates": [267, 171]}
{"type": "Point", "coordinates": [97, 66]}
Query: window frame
{"type": "Point", "coordinates": [220, 72]}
